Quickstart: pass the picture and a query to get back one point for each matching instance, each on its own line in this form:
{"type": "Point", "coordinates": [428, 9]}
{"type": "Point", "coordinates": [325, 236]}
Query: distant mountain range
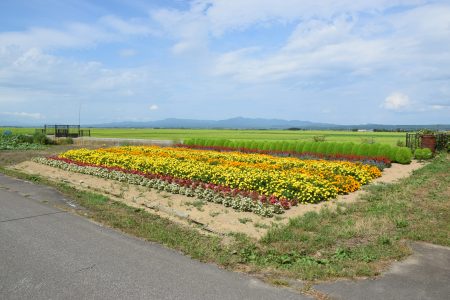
{"type": "Point", "coordinates": [237, 123]}
{"type": "Point", "coordinates": [250, 123]}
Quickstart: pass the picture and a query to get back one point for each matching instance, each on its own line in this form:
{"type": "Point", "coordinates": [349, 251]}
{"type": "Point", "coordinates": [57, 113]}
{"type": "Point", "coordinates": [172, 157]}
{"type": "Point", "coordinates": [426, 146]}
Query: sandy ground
{"type": "Point", "coordinates": [188, 210]}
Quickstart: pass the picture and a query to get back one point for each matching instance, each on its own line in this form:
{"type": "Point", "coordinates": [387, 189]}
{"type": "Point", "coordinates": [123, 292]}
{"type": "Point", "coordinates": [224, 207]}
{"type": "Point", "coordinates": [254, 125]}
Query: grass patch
{"type": "Point", "coordinates": [354, 240]}
{"type": "Point", "coordinates": [261, 225]}
{"type": "Point", "coordinates": [214, 214]}
{"type": "Point", "coordinates": [198, 204]}
{"type": "Point", "coordinates": [245, 220]}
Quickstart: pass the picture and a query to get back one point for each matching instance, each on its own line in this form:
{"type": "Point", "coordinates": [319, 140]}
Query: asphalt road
{"type": "Point", "coordinates": [47, 253]}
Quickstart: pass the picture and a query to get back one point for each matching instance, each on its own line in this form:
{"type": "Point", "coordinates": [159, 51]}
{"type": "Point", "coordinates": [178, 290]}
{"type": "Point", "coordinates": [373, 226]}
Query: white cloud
{"type": "Point", "coordinates": [410, 43]}
{"type": "Point", "coordinates": [127, 52]}
{"type": "Point", "coordinates": [36, 116]}
{"type": "Point", "coordinates": [220, 16]}
{"type": "Point", "coordinates": [32, 75]}
{"type": "Point", "coordinates": [315, 48]}
{"type": "Point", "coordinates": [73, 36]}
{"type": "Point", "coordinates": [189, 29]}
{"type": "Point", "coordinates": [440, 107]}
{"type": "Point", "coordinates": [153, 107]}
{"type": "Point", "coordinates": [238, 15]}
{"type": "Point", "coordinates": [127, 27]}
{"type": "Point", "coordinates": [76, 35]}
{"type": "Point", "coordinates": [397, 101]}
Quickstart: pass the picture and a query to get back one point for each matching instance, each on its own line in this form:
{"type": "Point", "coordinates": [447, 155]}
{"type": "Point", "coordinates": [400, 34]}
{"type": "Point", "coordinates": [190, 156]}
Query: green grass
{"type": "Point", "coordinates": [18, 130]}
{"type": "Point", "coordinates": [279, 135]}
{"type": "Point", "coordinates": [357, 239]}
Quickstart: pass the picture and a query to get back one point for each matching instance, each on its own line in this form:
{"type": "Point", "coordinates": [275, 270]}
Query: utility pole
{"type": "Point", "coordinates": [79, 115]}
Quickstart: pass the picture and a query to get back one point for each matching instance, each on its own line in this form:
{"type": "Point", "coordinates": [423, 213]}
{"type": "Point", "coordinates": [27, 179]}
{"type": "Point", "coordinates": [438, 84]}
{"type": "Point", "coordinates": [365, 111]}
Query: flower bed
{"type": "Point", "coordinates": [261, 183]}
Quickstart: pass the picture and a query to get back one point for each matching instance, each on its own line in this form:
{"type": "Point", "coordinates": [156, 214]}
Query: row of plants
{"type": "Point", "coordinates": [379, 162]}
{"type": "Point", "coordinates": [10, 141]}
{"type": "Point", "coordinates": [378, 152]}
{"type": "Point", "coordinates": [283, 181]}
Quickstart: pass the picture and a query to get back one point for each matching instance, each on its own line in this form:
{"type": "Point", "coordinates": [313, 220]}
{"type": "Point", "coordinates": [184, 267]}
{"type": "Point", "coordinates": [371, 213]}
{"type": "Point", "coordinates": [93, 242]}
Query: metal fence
{"type": "Point", "coordinates": [58, 131]}
{"type": "Point", "coordinates": [414, 141]}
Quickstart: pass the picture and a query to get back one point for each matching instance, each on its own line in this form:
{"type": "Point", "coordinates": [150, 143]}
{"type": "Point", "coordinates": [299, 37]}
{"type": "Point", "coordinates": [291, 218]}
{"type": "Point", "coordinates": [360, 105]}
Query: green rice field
{"type": "Point", "coordinates": [280, 135]}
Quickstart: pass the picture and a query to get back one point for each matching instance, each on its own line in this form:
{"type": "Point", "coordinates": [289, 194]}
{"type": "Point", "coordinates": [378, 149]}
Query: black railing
{"type": "Point", "coordinates": [58, 131]}
{"type": "Point", "coordinates": [85, 132]}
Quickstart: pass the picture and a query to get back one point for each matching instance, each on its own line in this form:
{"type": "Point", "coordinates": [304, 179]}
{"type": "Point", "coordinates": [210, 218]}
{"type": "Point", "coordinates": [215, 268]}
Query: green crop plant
{"type": "Point", "coordinates": [285, 146]}
{"type": "Point", "coordinates": [220, 143]}
{"type": "Point", "coordinates": [403, 155]}
{"type": "Point", "coordinates": [423, 153]}
{"type": "Point", "coordinates": [347, 148]}
{"type": "Point", "coordinates": [364, 149]}
{"type": "Point", "coordinates": [291, 147]}
{"type": "Point", "coordinates": [359, 149]}
{"type": "Point", "coordinates": [307, 147]}
{"type": "Point", "coordinates": [330, 148]}
{"type": "Point", "coordinates": [299, 147]}
{"type": "Point", "coordinates": [338, 148]}
{"type": "Point", "coordinates": [321, 148]}
{"type": "Point", "coordinates": [355, 148]}
{"type": "Point", "coordinates": [373, 151]}
{"type": "Point", "coordinates": [272, 146]}
{"type": "Point", "coordinates": [393, 153]}
{"type": "Point", "coordinates": [314, 147]}
{"type": "Point", "coordinates": [279, 146]}
{"type": "Point", "coordinates": [383, 150]}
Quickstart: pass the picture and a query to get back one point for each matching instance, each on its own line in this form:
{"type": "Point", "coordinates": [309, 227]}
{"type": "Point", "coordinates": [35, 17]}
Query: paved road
{"type": "Point", "coordinates": [47, 253]}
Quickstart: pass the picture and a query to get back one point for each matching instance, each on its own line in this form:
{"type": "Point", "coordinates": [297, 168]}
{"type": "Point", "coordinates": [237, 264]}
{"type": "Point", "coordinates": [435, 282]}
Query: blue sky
{"type": "Point", "coordinates": [344, 62]}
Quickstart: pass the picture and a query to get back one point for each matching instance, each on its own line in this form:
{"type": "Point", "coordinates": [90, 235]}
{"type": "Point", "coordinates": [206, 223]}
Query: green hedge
{"type": "Point", "coordinates": [401, 155]}
{"type": "Point", "coordinates": [424, 153]}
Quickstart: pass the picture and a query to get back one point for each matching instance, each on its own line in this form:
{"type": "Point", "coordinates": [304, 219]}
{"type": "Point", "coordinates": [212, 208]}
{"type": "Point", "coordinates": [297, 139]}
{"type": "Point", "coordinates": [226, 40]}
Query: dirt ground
{"type": "Point", "coordinates": [188, 210]}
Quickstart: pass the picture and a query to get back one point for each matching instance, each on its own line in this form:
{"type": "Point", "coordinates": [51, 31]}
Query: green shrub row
{"type": "Point", "coordinates": [422, 154]}
{"type": "Point", "coordinates": [10, 141]}
{"type": "Point", "coordinates": [401, 155]}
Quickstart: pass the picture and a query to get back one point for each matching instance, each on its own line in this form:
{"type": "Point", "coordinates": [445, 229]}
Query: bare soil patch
{"type": "Point", "coordinates": [189, 210]}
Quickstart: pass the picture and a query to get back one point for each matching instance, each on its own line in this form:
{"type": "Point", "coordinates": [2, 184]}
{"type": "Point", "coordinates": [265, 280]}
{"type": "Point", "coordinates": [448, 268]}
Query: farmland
{"type": "Point", "coordinates": [390, 138]}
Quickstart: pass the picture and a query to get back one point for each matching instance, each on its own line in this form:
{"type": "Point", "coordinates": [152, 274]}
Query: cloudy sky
{"type": "Point", "coordinates": [344, 61]}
